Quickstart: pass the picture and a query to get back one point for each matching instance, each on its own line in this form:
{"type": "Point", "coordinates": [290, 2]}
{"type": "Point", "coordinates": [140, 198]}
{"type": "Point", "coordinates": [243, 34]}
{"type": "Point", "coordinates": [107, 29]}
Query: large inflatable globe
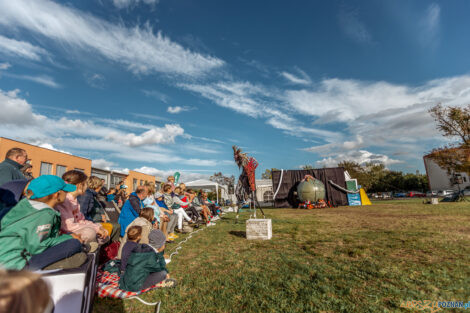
{"type": "Point", "coordinates": [311, 190]}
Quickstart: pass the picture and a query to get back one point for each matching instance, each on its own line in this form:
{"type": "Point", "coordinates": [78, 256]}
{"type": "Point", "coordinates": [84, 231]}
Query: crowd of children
{"type": "Point", "coordinates": [53, 222]}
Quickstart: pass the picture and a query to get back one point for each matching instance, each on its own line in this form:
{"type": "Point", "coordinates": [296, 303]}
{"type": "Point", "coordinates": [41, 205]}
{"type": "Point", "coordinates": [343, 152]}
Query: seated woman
{"type": "Point", "coordinates": [92, 209]}
{"type": "Point", "coordinates": [72, 219]}
{"type": "Point", "coordinates": [175, 203]}
{"type": "Point", "coordinates": [142, 265]}
{"type": "Point", "coordinates": [212, 207]}
{"type": "Point", "coordinates": [169, 218]}
{"type": "Point", "coordinates": [146, 221]}
{"type": "Point", "coordinates": [200, 208]}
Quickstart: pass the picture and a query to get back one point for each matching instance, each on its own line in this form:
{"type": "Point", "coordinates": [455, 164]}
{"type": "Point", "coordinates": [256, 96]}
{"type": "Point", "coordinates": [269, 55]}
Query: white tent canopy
{"type": "Point", "coordinates": [206, 184]}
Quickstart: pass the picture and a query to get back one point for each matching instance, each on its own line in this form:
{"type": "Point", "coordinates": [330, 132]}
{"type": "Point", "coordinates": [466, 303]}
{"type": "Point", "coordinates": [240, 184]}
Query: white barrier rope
{"type": "Point", "coordinates": [279, 186]}
{"type": "Point", "coordinates": [178, 247]}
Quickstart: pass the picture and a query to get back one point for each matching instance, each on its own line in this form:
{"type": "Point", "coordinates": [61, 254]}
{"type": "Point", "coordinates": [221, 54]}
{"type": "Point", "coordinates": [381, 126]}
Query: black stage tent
{"type": "Point", "coordinates": [291, 178]}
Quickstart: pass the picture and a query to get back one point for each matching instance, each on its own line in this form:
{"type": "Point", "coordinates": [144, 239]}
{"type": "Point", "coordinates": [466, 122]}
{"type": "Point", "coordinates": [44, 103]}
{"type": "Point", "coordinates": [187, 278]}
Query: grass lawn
{"type": "Point", "coordinates": [347, 259]}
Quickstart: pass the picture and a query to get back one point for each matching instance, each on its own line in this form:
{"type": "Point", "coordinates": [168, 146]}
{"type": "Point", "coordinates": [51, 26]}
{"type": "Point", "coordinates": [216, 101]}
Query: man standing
{"type": "Point", "coordinates": [10, 167]}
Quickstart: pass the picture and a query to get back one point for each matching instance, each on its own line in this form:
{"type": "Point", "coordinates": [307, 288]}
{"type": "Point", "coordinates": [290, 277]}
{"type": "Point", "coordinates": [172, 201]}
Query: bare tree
{"type": "Point", "coordinates": [453, 122]}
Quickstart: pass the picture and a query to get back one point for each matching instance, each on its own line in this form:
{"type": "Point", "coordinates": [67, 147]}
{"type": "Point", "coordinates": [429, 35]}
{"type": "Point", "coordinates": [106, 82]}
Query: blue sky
{"type": "Point", "coordinates": [159, 86]}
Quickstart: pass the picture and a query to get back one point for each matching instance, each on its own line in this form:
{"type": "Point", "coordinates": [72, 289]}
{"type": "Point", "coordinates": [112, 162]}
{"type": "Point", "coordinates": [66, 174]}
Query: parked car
{"type": "Point", "coordinates": [415, 194]}
{"type": "Point", "coordinates": [399, 194]}
{"type": "Point", "coordinates": [431, 193]}
{"type": "Point", "coordinates": [445, 193]}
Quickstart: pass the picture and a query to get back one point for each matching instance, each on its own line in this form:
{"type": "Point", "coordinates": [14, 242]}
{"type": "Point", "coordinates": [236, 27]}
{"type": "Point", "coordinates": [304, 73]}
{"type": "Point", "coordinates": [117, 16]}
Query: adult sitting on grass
{"type": "Point", "coordinates": [30, 235]}
{"type": "Point", "coordinates": [142, 266]}
{"type": "Point", "coordinates": [10, 168]}
{"type": "Point", "coordinates": [146, 221]}
{"type": "Point", "coordinates": [72, 218]}
{"type": "Point", "coordinates": [131, 208]}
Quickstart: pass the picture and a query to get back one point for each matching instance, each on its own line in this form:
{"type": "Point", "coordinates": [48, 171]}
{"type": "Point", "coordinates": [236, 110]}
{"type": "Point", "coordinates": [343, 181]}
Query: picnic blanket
{"type": "Point", "coordinates": [107, 285]}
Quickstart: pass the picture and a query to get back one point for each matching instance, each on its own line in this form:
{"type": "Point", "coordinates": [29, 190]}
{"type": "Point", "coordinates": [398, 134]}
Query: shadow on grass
{"type": "Point", "coordinates": [238, 233]}
{"type": "Point", "coordinates": [104, 305]}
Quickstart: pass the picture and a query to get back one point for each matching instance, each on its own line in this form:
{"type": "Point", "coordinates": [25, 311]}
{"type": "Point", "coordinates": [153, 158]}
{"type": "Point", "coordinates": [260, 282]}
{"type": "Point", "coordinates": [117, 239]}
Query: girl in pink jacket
{"type": "Point", "coordinates": [72, 220]}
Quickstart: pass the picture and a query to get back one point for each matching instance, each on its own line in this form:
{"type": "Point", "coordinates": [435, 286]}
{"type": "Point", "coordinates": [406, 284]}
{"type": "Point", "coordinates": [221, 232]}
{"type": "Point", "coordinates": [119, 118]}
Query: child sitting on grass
{"type": "Point", "coordinates": [147, 222]}
{"type": "Point", "coordinates": [143, 266]}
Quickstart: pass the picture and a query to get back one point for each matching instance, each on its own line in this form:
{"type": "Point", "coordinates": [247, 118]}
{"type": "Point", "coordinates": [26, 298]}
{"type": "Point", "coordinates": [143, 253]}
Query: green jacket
{"type": "Point", "coordinates": [143, 261]}
{"type": "Point", "coordinates": [28, 229]}
{"type": "Point", "coordinates": [10, 170]}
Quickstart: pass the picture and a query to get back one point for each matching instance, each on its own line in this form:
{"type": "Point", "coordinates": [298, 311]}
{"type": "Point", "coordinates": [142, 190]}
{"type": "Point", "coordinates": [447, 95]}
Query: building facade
{"type": "Point", "coordinates": [46, 161]}
{"type": "Point", "coordinates": [135, 179]}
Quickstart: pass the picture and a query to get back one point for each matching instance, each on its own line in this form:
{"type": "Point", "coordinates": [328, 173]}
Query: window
{"type": "Point", "coordinates": [268, 196]}
{"type": "Point", "coordinates": [141, 182]}
{"type": "Point", "coordinates": [115, 180]}
{"type": "Point", "coordinates": [102, 176]}
{"type": "Point", "coordinates": [46, 169]}
{"type": "Point", "coordinates": [60, 170]}
{"type": "Point", "coordinates": [134, 183]}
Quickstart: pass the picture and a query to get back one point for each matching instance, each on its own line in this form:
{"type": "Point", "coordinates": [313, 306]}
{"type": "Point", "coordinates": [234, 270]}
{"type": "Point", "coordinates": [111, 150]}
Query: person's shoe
{"type": "Point", "coordinates": [173, 235]}
{"type": "Point", "coordinates": [210, 224]}
{"type": "Point", "coordinates": [168, 283]}
{"type": "Point", "coordinates": [93, 246]}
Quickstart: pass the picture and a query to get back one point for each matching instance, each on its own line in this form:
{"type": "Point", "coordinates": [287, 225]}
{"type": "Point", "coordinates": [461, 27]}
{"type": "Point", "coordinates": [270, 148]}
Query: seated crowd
{"type": "Point", "coordinates": [52, 222]}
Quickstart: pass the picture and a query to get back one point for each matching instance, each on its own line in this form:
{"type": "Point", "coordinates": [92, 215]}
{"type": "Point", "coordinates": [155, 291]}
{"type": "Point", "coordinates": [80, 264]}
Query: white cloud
{"type": "Point", "coordinates": [95, 136]}
{"type": "Point", "coordinates": [337, 146]}
{"type": "Point", "coordinates": [156, 94]}
{"type": "Point", "coordinates": [4, 66]}
{"type": "Point", "coordinates": [49, 146]}
{"type": "Point", "coordinates": [95, 80]}
{"type": "Point", "coordinates": [429, 26]}
{"type": "Point", "coordinates": [258, 102]}
{"type": "Point", "coordinates": [16, 111]}
{"type": "Point", "coordinates": [40, 79]}
{"type": "Point", "coordinates": [177, 109]}
{"type": "Point", "coordinates": [361, 157]}
{"type": "Point", "coordinates": [303, 79]}
{"type": "Point", "coordinates": [163, 174]}
{"type": "Point", "coordinates": [138, 48]}
{"type": "Point", "coordinates": [103, 164]}
{"type": "Point", "coordinates": [156, 135]}
{"type": "Point", "coordinates": [347, 99]}
{"type": "Point", "coordinates": [379, 114]}
{"type": "Point", "coordinates": [122, 4]}
{"type": "Point", "coordinates": [23, 49]}
{"type": "Point", "coordinates": [353, 27]}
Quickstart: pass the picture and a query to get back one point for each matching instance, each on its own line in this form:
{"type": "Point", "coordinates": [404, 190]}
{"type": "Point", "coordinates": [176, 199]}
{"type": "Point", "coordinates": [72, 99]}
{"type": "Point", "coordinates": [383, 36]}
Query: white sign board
{"type": "Point", "coordinates": [259, 229]}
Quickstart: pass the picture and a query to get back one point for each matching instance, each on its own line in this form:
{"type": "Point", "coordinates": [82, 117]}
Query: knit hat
{"type": "Point", "coordinates": [157, 238]}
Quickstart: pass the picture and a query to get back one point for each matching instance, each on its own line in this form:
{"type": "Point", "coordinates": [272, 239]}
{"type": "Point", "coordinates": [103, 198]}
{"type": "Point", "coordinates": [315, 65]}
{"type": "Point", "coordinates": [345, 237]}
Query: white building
{"type": "Point", "coordinates": [439, 179]}
{"type": "Point", "coordinates": [264, 190]}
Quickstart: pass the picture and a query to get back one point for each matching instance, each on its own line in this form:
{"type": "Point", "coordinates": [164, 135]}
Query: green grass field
{"type": "Point", "coordinates": [347, 259]}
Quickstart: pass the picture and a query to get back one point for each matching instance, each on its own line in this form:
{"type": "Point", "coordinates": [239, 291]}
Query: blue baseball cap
{"type": "Point", "coordinates": [47, 185]}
